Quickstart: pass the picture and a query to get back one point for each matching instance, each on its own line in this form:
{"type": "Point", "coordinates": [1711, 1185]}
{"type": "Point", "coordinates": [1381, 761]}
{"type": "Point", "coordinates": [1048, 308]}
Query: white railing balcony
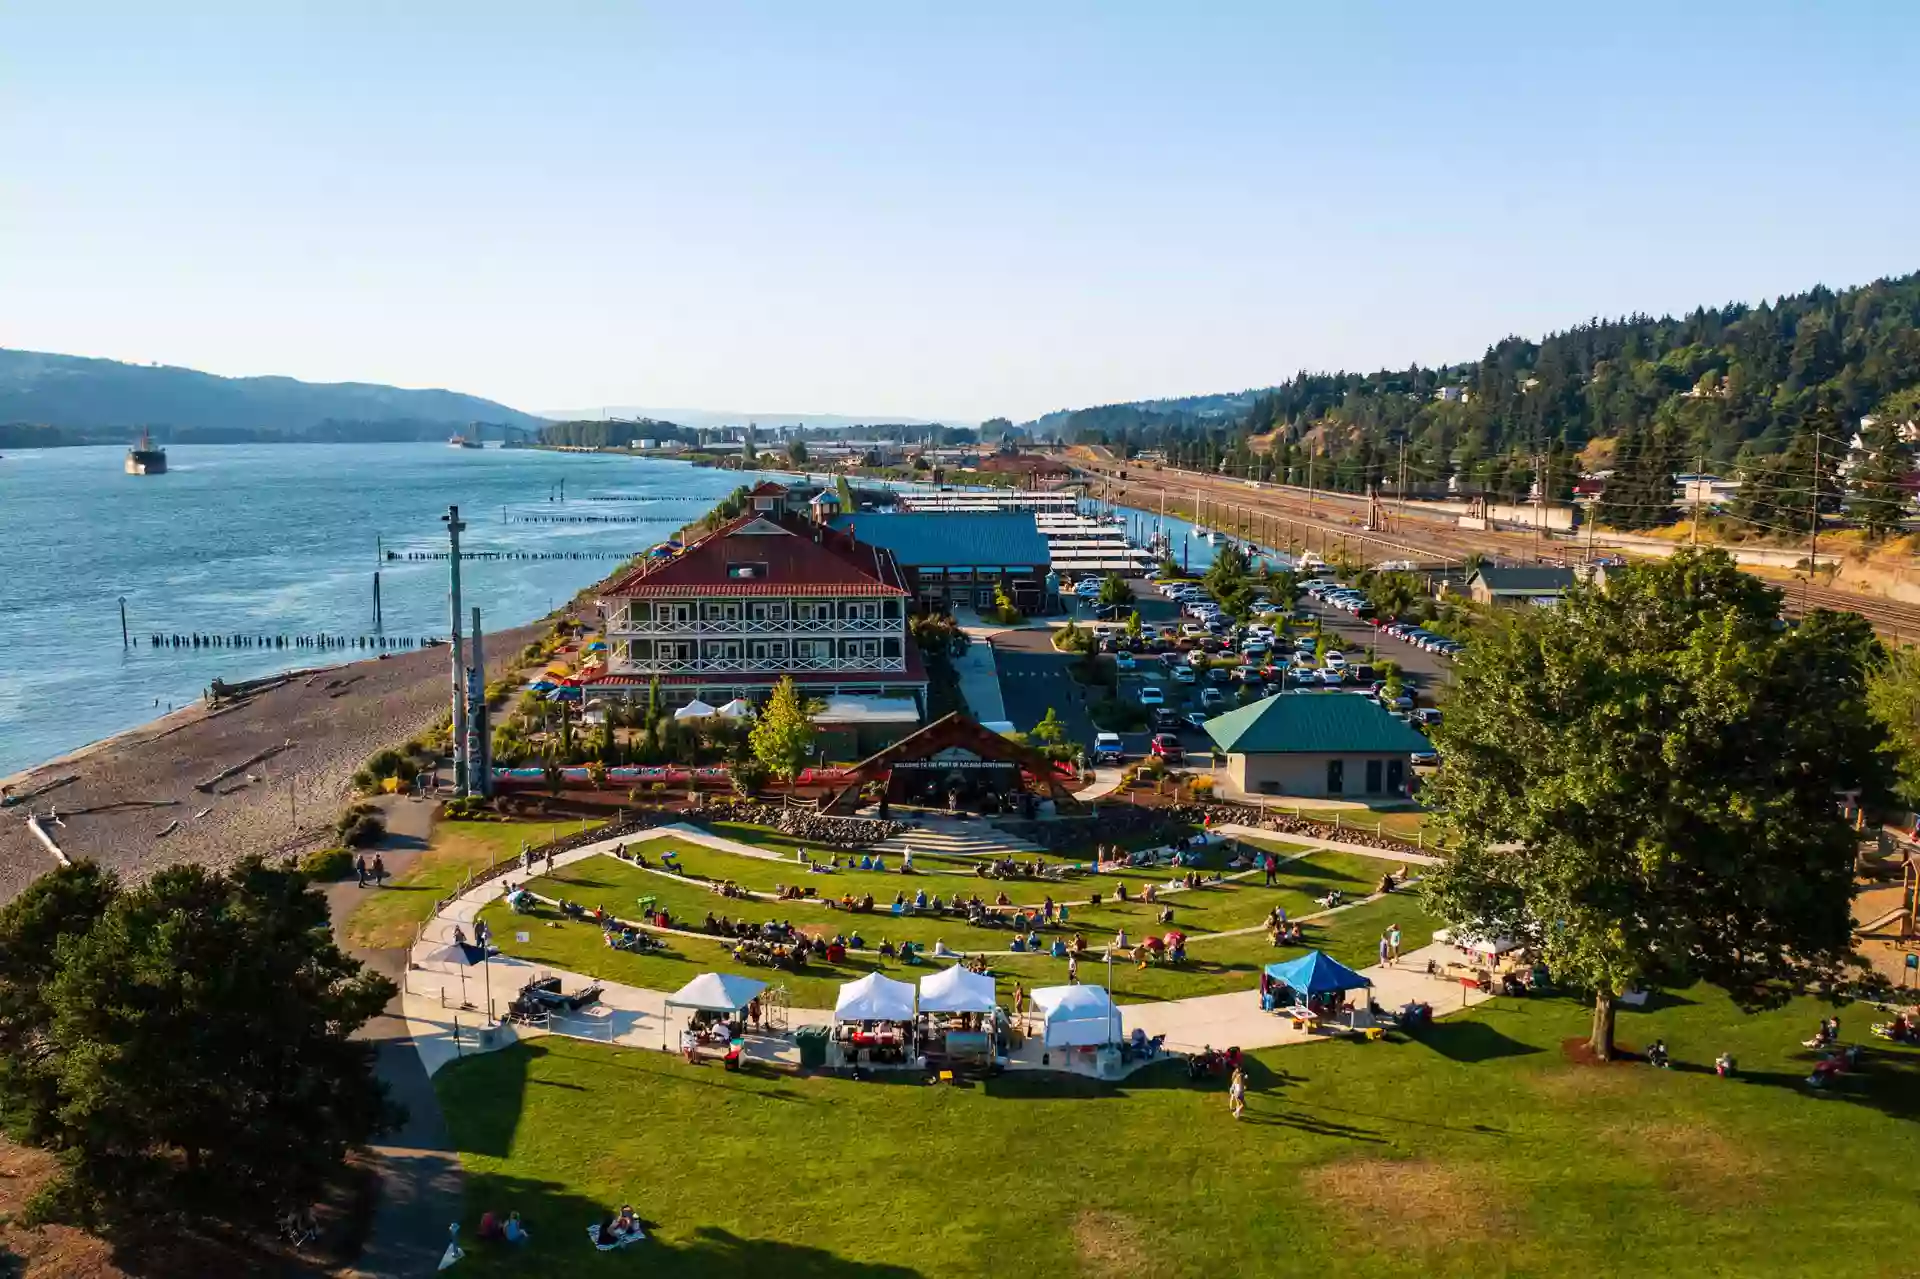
{"type": "Point", "coordinates": [717, 628]}
{"type": "Point", "coordinates": [852, 667]}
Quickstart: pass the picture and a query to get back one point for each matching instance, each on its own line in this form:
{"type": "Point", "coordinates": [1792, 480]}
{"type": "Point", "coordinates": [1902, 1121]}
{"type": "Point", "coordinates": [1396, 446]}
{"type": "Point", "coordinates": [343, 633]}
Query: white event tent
{"type": "Point", "coordinates": [874, 998]}
{"type": "Point", "coordinates": [695, 709]}
{"type": "Point", "coordinates": [956, 990]}
{"type": "Point", "coordinates": [1077, 1016]}
{"type": "Point", "coordinates": [738, 708]}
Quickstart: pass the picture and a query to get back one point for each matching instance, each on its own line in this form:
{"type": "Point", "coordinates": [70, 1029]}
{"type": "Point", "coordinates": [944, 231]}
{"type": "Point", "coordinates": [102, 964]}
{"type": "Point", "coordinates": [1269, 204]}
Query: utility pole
{"type": "Point", "coordinates": [454, 529]}
{"type": "Point", "coordinates": [1813, 552]}
{"type": "Point", "coordinates": [1693, 531]}
{"type": "Point", "coordinates": [1313, 455]}
{"type": "Point", "coordinates": [1539, 497]}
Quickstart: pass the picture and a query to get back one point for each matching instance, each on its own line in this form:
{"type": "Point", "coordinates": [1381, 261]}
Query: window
{"type": "Point", "coordinates": [768, 650]}
{"type": "Point", "coordinates": [864, 612]}
{"type": "Point", "coordinates": [1336, 776]}
{"type": "Point", "coordinates": [746, 572]}
{"type": "Point", "coordinates": [763, 504]}
{"type": "Point", "coordinates": [723, 650]}
{"type": "Point", "coordinates": [770, 612]}
{"type": "Point", "coordinates": [814, 611]}
{"type": "Point", "coordinates": [812, 650]}
{"type": "Point", "coordinates": [671, 651]}
{"type": "Point", "coordinates": [862, 650]}
{"type": "Point", "coordinates": [1373, 776]}
{"type": "Point", "coordinates": [678, 611]}
{"type": "Point", "coordinates": [1396, 776]}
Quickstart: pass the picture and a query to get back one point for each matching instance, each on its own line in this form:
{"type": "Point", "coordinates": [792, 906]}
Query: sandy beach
{"type": "Point", "coordinates": [131, 787]}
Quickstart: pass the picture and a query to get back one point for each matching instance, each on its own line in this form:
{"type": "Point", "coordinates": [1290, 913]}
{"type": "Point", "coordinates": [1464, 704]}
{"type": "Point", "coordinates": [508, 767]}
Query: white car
{"type": "Point", "coordinates": [1185, 675]}
{"type": "Point", "coordinates": [1336, 660]}
{"type": "Point", "coordinates": [1261, 632]}
{"type": "Point", "coordinates": [1152, 696]}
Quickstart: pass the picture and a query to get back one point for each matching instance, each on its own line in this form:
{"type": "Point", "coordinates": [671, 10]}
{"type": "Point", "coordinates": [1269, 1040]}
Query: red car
{"type": "Point", "coordinates": [1168, 747]}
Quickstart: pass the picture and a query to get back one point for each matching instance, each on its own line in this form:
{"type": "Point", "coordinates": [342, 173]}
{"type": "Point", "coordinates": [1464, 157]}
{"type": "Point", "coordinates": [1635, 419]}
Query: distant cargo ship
{"type": "Point", "coordinates": [462, 442]}
{"type": "Point", "coordinates": [146, 457]}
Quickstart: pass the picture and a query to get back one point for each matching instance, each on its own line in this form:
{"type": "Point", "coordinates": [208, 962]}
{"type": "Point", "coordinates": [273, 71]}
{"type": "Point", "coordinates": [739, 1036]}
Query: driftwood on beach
{"type": "Point", "coordinates": [243, 765]}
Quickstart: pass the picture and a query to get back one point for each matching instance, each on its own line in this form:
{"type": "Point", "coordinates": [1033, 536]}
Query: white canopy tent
{"type": "Point", "coordinates": [957, 990]}
{"type": "Point", "coordinates": [695, 709]}
{"type": "Point", "coordinates": [738, 708]}
{"type": "Point", "coordinates": [875, 998]}
{"type": "Point", "coordinates": [1479, 944]}
{"type": "Point", "coordinates": [1077, 1016]}
{"type": "Point", "coordinates": [717, 993]}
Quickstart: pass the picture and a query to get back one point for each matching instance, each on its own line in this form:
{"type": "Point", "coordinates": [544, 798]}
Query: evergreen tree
{"type": "Point", "coordinates": [186, 1046]}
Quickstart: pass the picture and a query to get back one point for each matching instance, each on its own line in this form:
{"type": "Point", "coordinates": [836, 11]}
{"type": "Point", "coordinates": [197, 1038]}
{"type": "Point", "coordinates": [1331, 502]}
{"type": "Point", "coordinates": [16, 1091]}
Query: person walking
{"type": "Point", "coordinates": [1019, 1004]}
{"type": "Point", "coordinates": [1393, 943]}
{"type": "Point", "coordinates": [1383, 950]}
{"type": "Point", "coordinates": [1272, 867]}
{"type": "Point", "coordinates": [360, 868]}
{"type": "Point", "coordinates": [1073, 969]}
{"type": "Point", "coordinates": [549, 861]}
{"type": "Point", "coordinates": [1237, 1093]}
{"type": "Point", "coordinates": [379, 872]}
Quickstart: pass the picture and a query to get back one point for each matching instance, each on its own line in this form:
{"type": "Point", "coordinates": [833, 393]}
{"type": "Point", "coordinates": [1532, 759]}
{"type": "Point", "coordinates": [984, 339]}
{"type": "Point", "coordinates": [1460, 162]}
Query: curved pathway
{"type": "Point", "coordinates": [442, 1029]}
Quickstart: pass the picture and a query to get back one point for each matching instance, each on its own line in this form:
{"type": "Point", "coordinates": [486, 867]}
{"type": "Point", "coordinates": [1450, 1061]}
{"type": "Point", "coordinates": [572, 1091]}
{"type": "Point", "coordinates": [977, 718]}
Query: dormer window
{"type": "Point", "coordinates": [763, 504]}
{"type": "Point", "coordinates": [747, 572]}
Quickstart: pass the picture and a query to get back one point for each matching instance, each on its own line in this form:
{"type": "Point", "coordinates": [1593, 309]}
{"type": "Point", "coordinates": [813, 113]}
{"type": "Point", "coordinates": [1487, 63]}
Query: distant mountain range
{"type": "Point", "coordinates": [712, 419]}
{"type": "Point", "coordinates": [67, 399]}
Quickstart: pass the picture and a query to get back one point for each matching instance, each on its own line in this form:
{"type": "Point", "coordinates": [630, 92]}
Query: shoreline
{"type": "Point", "coordinates": [155, 795]}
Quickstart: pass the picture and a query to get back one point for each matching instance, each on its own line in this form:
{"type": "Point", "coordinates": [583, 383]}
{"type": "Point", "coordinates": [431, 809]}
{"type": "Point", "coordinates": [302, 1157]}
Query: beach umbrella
{"type": "Point", "coordinates": [597, 646]}
{"type": "Point", "coordinates": [695, 709]}
{"type": "Point", "coordinates": [543, 685]}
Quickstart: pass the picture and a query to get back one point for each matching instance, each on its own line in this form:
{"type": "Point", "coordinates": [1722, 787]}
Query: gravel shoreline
{"type": "Point", "coordinates": [130, 787]}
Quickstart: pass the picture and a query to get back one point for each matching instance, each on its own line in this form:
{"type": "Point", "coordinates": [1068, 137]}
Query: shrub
{"type": "Point", "coordinates": [360, 825]}
{"type": "Point", "coordinates": [365, 783]}
{"type": "Point", "coordinates": [325, 864]}
{"type": "Point", "coordinates": [1202, 785]}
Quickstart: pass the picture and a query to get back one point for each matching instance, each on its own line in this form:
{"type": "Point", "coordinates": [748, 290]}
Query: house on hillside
{"type": "Point", "coordinates": [1319, 745]}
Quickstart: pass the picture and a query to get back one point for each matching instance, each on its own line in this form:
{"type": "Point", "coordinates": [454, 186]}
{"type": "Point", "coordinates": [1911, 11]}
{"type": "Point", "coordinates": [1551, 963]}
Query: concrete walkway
{"type": "Point", "coordinates": [980, 683]}
{"type": "Point", "coordinates": [442, 1001]}
{"type": "Point", "coordinates": [421, 1184]}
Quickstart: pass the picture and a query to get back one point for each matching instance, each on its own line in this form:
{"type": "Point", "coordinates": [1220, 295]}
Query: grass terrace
{"type": "Point", "coordinates": [1219, 960]}
{"type": "Point", "coordinates": [1478, 1149]}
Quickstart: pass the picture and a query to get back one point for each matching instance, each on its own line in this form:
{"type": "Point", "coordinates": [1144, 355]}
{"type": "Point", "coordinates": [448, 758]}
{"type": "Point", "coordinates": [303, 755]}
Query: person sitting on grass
{"type": "Point", "coordinates": [1120, 891]}
{"type": "Point", "coordinates": [513, 1231]}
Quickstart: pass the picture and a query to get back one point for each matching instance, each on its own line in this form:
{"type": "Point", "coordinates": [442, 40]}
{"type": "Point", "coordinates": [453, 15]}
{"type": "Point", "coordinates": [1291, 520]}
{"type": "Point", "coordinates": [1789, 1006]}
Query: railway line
{"type": "Point", "coordinates": [1319, 520]}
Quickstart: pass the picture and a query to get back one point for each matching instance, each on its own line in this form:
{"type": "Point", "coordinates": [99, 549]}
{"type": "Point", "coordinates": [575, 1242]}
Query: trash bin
{"type": "Point", "coordinates": [812, 1043]}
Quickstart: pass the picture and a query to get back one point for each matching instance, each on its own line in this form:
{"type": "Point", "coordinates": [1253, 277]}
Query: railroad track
{"type": "Point", "coordinates": [1411, 534]}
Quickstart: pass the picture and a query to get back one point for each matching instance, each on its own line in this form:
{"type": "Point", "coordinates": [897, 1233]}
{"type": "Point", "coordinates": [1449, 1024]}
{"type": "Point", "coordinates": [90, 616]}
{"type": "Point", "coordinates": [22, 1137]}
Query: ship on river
{"type": "Point", "coordinates": [146, 457]}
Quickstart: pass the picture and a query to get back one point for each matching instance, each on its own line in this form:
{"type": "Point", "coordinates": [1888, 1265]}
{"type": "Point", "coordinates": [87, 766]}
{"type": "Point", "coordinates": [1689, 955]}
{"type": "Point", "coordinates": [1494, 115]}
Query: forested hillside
{"type": "Point", "coordinates": [88, 400]}
{"type": "Point", "coordinates": [1736, 388]}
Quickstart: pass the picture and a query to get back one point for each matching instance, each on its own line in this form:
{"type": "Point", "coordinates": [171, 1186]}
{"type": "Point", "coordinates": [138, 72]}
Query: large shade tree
{"type": "Point", "coordinates": [1647, 782]}
{"type": "Point", "coordinates": [184, 1046]}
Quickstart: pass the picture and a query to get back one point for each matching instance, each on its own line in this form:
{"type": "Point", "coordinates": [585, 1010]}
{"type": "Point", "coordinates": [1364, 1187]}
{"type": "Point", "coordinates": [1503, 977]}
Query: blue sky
{"type": "Point", "coordinates": [958, 210]}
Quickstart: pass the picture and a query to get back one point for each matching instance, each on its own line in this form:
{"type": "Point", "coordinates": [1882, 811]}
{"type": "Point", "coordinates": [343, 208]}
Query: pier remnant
{"type": "Point", "coordinates": [454, 529]}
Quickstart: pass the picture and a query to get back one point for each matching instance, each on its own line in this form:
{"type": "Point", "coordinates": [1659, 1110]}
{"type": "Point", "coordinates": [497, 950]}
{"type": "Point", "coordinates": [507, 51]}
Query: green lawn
{"type": "Point", "coordinates": [1216, 964]}
{"type": "Point", "coordinates": [389, 918]}
{"type": "Point", "coordinates": [1475, 1151]}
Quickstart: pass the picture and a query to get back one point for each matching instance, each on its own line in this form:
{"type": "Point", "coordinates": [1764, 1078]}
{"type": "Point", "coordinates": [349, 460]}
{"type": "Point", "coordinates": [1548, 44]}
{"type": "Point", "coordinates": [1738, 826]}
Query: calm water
{"type": "Point", "coordinates": [278, 539]}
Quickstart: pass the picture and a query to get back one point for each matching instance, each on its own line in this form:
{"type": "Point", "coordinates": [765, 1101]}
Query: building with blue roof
{"type": "Point", "coordinates": [957, 559]}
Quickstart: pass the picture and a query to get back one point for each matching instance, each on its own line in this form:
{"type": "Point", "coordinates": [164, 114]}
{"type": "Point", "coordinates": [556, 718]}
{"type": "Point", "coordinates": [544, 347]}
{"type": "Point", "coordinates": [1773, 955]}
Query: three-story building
{"type": "Point", "coordinates": [770, 594]}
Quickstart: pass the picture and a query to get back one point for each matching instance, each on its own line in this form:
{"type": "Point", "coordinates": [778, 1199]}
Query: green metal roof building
{"type": "Point", "coordinates": [1328, 745]}
{"type": "Point", "coordinates": [957, 558]}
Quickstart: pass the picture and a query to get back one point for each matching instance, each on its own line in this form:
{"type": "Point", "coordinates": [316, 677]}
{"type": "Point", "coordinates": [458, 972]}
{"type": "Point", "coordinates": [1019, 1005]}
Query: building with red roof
{"type": "Point", "coordinates": [770, 594]}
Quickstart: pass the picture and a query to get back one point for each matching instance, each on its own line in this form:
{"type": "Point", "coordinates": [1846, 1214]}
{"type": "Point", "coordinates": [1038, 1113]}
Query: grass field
{"type": "Point", "coordinates": [1478, 1150]}
{"type": "Point", "coordinates": [389, 917]}
{"type": "Point", "coordinates": [1216, 963]}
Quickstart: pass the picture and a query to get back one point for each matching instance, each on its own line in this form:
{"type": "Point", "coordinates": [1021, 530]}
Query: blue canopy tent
{"type": "Point", "coordinates": [1314, 973]}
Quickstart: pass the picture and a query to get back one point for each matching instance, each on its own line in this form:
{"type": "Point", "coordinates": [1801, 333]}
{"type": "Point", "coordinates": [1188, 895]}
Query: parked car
{"type": "Point", "coordinates": [1220, 675]}
{"type": "Point", "coordinates": [1123, 660]}
{"type": "Point", "coordinates": [1426, 758]}
{"type": "Point", "coordinates": [1247, 674]}
{"type": "Point", "coordinates": [1335, 660]}
{"type": "Point", "coordinates": [1426, 717]}
{"type": "Point", "coordinates": [1185, 675]}
{"type": "Point", "coordinates": [1168, 747]}
{"type": "Point", "coordinates": [1107, 748]}
{"type": "Point", "coordinates": [1212, 699]}
{"type": "Point", "coordinates": [1152, 696]}
{"type": "Point", "coordinates": [1165, 718]}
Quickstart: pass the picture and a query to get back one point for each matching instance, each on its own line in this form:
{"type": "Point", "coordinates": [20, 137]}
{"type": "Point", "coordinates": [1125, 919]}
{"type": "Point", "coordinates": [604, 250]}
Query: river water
{"type": "Point", "coordinates": [280, 539]}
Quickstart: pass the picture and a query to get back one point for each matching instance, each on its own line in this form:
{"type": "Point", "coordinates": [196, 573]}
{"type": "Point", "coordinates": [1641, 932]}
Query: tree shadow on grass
{"type": "Point", "coordinates": [1472, 1041]}
{"type": "Point", "coordinates": [1887, 1081]}
{"type": "Point", "coordinates": [557, 1218]}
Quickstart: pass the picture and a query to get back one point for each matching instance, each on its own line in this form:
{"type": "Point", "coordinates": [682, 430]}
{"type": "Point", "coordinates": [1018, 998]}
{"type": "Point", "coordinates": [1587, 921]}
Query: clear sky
{"type": "Point", "coordinates": [953, 209]}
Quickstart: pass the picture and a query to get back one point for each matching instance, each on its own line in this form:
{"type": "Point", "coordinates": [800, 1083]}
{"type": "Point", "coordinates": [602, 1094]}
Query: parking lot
{"type": "Point", "coordinates": [1424, 673]}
